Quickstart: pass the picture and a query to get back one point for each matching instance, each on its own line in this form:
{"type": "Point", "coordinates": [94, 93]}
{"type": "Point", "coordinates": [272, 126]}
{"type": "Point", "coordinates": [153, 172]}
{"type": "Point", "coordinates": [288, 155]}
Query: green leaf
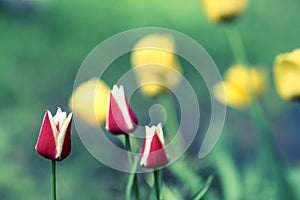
{"type": "Point", "coordinates": [204, 188]}
{"type": "Point", "coordinates": [131, 179]}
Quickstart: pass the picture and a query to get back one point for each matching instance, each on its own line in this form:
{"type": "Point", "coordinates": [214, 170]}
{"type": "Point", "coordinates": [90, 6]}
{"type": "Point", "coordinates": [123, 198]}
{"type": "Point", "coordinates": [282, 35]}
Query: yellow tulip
{"type": "Point", "coordinates": [155, 54]}
{"type": "Point", "coordinates": [241, 85]}
{"type": "Point", "coordinates": [223, 10]}
{"type": "Point", "coordinates": [287, 75]}
{"type": "Point", "coordinates": [89, 101]}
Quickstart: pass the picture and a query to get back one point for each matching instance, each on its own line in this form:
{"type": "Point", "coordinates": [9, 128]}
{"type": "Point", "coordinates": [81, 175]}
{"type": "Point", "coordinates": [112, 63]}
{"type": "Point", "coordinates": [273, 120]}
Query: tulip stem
{"type": "Point", "coordinates": [236, 43]}
{"type": "Point", "coordinates": [127, 143]}
{"type": "Point", "coordinates": [172, 126]}
{"type": "Point", "coordinates": [54, 179]}
{"type": "Point", "coordinates": [157, 182]}
{"type": "Point", "coordinates": [135, 180]}
{"type": "Point", "coordinates": [225, 164]}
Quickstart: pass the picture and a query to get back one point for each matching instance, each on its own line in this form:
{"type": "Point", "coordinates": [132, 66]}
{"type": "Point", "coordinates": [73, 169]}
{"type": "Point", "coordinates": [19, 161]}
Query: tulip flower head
{"type": "Point", "coordinates": [54, 141]}
{"type": "Point", "coordinates": [89, 101]}
{"type": "Point", "coordinates": [120, 116]}
{"type": "Point", "coordinates": [155, 54]}
{"type": "Point", "coordinates": [223, 10]}
{"type": "Point", "coordinates": [241, 86]}
{"type": "Point", "coordinates": [287, 75]}
{"type": "Point", "coordinates": [153, 154]}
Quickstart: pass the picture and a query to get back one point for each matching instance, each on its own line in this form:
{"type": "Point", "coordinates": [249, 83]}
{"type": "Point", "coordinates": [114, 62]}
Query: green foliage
{"type": "Point", "coordinates": [41, 48]}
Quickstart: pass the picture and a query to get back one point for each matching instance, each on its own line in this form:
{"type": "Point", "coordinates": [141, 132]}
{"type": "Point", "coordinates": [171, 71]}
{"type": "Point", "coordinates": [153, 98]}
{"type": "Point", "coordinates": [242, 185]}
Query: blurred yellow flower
{"type": "Point", "coordinates": [89, 101]}
{"type": "Point", "coordinates": [287, 75]}
{"type": "Point", "coordinates": [223, 10]}
{"type": "Point", "coordinates": [155, 62]}
{"type": "Point", "coordinates": [241, 85]}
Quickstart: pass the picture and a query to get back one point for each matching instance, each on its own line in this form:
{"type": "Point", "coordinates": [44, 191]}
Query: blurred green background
{"type": "Point", "coordinates": [42, 44]}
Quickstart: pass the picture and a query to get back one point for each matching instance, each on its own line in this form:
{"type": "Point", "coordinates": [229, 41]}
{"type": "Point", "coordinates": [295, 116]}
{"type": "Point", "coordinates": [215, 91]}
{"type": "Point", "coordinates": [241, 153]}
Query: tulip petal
{"type": "Point", "coordinates": [115, 120]}
{"type": "Point", "coordinates": [147, 144]}
{"type": "Point", "coordinates": [59, 118]}
{"type": "Point", "coordinates": [120, 99]}
{"type": "Point", "coordinates": [64, 139]}
{"type": "Point", "coordinates": [157, 156]}
{"type": "Point", "coordinates": [235, 95]}
{"type": "Point", "coordinates": [132, 115]}
{"type": "Point", "coordinates": [287, 75]}
{"type": "Point", "coordinates": [160, 135]}
{"type": "Point", "coordinates": [46, 145]}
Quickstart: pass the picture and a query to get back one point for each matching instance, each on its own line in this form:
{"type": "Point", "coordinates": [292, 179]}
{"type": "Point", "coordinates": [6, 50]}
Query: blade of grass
{"type": "Point", "coordinates": [204, 188]}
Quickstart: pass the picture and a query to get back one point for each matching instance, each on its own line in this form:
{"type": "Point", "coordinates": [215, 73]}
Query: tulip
{"type": "Point", "coordinates": [223, 10]}
{"type": "Point", "coordinates": [241, 86]}
{"type": "Point", "coordinates": [122, 120]}
{"type": "Point", "coordinates": [120, 116]}
{"type": "Point", "coordinates": [153, 154]}
{"type": "Point", "coordinates": [89, 101]}
{"type": "Point", "coordinates": [287, 75]}
{"type": "Point", "coordinates": [54, 141]}
{"type": "Point", "coordinates": [155, 54]}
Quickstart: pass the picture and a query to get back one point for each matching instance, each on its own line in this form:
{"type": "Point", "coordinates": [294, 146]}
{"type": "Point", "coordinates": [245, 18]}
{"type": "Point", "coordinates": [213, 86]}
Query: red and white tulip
{"type": "Point", "coordinates": [120, 118]}
{"type": "Point", "coordinates": [54, 141]}
{"type": "Point", "coordinates": [153, 154]}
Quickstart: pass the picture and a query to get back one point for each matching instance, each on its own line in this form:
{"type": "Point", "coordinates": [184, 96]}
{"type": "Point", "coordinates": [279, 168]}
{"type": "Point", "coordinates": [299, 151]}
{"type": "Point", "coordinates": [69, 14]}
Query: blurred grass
{"type": "Point", "coordinates": [42, 45]}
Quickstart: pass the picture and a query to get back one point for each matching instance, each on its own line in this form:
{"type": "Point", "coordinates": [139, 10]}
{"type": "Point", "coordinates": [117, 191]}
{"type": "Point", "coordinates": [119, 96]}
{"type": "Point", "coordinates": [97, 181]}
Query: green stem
{"type": "Point", "coordinates": [54, 179]}
{"type": "Point", "coordinates": [135, 180]}
{"type": "Point", "coordinates": [172, 127]}
{"type": "Point", "coordinates": [127, 142]}
{"type": "Point", "coordinates": [157, 182]}
{"type": "Point", "coordinates": [172, 121]}
{"type": "Point", "coordinates": [136, 187]}
{"type": "Point", "coordinates": [227, 169]}
{"type": "Point", "coordinates": [131, 179]}
{"type": "Point", "coordinates": [236, 43]}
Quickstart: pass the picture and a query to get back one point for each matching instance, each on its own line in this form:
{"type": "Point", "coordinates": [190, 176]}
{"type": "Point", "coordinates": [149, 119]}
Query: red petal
{"type": "Point", "coordinates": [46, 145]}
{"type": "Point", "coordinates": [131, 114]}
{"type": "Point", "coordinates": [157, 156]}
{"type": "Point", "coordinates": [66, 148]}
{"type": "Point", "coordinates": [115, 119]}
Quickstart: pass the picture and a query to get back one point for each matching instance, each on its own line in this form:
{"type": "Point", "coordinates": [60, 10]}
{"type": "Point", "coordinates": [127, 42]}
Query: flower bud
{"type": "Point", "coordinates": [154, 53]}
{"type": "Point", "coordinates": [153, 154]}
{"type": "Point", "coordinates": [89, 101]}
{"type": "Point", "coordinates": [241, 86]}
{"type": "Point", "coordinates": [54, 141]}
{"type": "Point", "coordinates": [223, 10]}
{"type": "Point", "coordinates": [287, 75]}
{"type": "Point", "coordinates": [120, 116]}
